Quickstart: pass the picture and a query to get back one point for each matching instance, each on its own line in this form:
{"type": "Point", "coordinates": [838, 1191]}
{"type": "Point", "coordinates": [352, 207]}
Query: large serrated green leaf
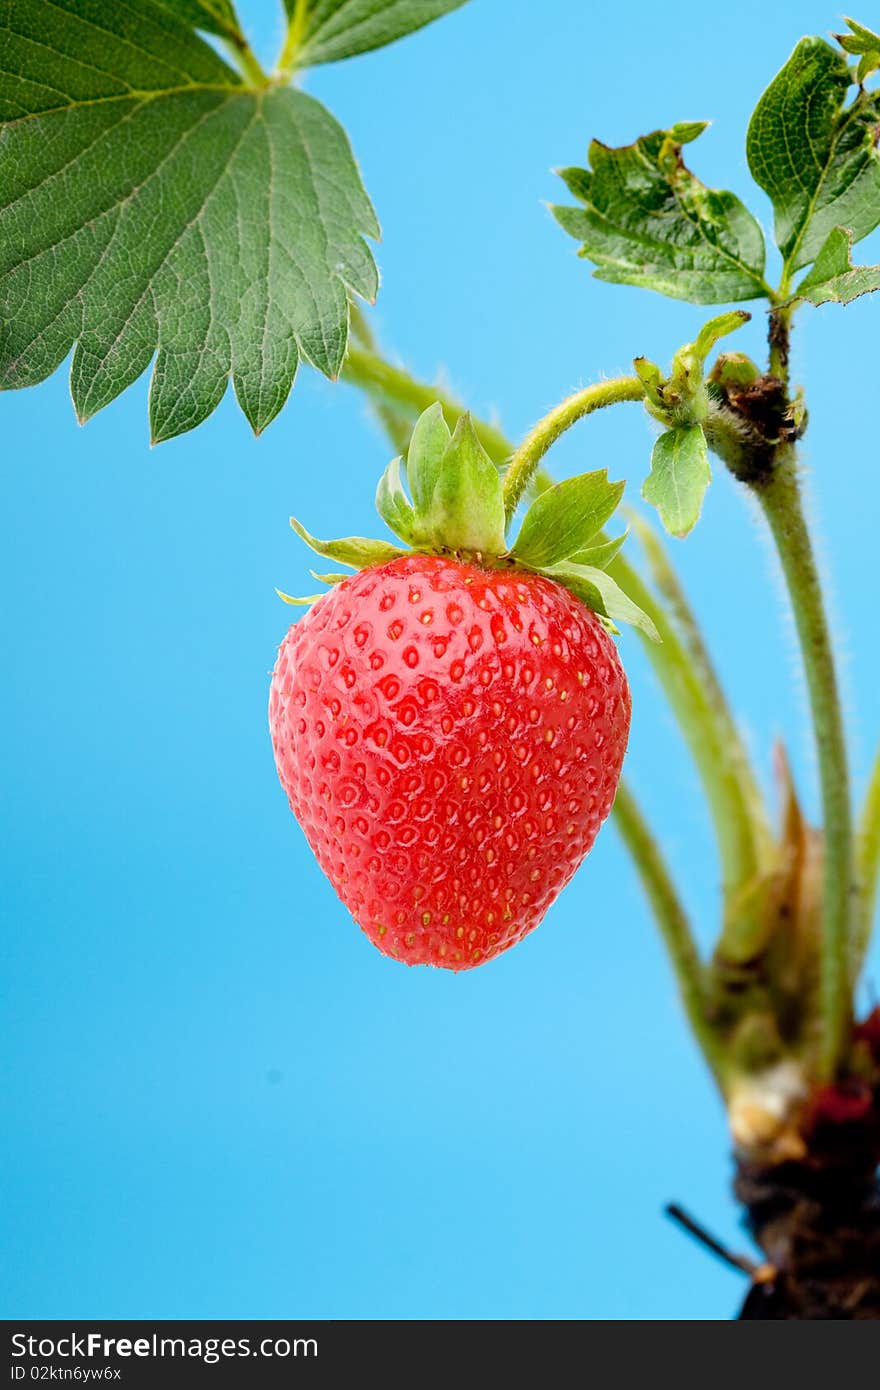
{"type": "Point", "coordinates": [679, 477]}
{"type": "Point", "coordinates": [833, 279]}
{"type": "Point", "coordinates": [334, 29]}
{"type": "Point", "coordinates": [647, 220]}
{"type": "Point", "coordinates": [816, 157]}
{"type": "Point", "coordinates": [565, 518]}
{"type": "Point", "coordinates": [152, 205]}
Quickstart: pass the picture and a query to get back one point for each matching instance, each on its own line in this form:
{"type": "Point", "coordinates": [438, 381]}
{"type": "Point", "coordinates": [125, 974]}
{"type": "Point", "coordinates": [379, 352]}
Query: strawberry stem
{"type": "Point", "coordinates": [780, 499]}
{"type": "Point", "coordinates": [543, 435]}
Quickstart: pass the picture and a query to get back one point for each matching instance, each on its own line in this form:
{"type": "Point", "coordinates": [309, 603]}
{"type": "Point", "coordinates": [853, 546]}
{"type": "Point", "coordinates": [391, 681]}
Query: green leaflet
{"type": "Point", "coordinates": [151, 206]}
{"type": "Point", "coordinates": [565, 517]}
{"type": "Point", "coordinates": [335, 29]}
{"type": "Point", "coordinates": [679, 477]}
{"type": "Point", "coordinates": [356, 551]}
{"type": "Point", "coordinates": [815, 157]}
{"type": "Point", "coordinates": [833, 278]}
{"type": "Point", "coordinates": [647, 220]}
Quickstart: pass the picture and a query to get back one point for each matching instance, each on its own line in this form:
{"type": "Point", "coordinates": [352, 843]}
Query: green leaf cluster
{"type": "Point", "coordinates": [447, 499]}
{"type": "Point", "coordinates": [643, 218]}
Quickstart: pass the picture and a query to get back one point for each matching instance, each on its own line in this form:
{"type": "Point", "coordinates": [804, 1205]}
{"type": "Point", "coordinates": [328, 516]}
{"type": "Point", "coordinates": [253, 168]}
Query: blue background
{"type": "Point", "coordinates": [219, 1100]}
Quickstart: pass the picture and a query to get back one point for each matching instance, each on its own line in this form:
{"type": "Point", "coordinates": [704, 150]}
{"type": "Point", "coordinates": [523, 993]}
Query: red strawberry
{"type": "Point", "coordinates": [450, 728]}
{"type": "Point", "coordinates": [450, 739]}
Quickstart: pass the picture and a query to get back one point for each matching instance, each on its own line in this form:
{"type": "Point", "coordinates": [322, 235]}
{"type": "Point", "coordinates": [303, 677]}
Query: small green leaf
{"type": "Point", "coordinates": [603, 595]}
{"type": "Point", "coordinates": [833, 279]}
{"type": "Point", "coordinates": [599, 556]}
{"type": "Point", "coordinates": [679, 477]}
{"type": "Point", "coordinates": [647, 220]}
{"type": "Point", "coordinates": [467, 507]}
{"type": "Point", "coordinates": [392, 503]}
{"type": "Point", "coordinates": [337, 29]}
{"type": "Point", "coordinates": [565, 517]}
{"type": "Point", "coordinates": [428, 443]}
{"type": "Point", "coordinates": [356, 551]}
{"type": "Point", "coordinates": [816, 158]}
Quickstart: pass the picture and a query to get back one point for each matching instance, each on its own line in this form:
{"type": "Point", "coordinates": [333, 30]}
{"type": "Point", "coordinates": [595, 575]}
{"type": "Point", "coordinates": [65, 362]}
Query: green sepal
{"type": "Point", "coordinates": [428, 443]}
{"type": "Point", "coordinates": [466, 511]}
{"type": "Point", "coordinates": [679, 476]}
{"type": "Point", "coordinates": [298, 602]}
{"type": "Point", "coordinates": [603, 595]}
{"type": "Point", "coordinates": [599, 556]}
{"type": "Point", "coordinates": [833, 279]}
{"type": "Point", "coordinates": [355, 551]}
{"type": "Point", "coordinates": [393, 505]}
{"type": "Point", "coordinates": [565, 518]}
{"type": "Point", "coordinates": [329, 578]}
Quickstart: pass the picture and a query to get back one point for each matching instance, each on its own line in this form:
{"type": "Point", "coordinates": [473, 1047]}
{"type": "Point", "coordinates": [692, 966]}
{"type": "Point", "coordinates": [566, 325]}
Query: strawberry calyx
{"type": "Point", "coordinates": [446, 498]}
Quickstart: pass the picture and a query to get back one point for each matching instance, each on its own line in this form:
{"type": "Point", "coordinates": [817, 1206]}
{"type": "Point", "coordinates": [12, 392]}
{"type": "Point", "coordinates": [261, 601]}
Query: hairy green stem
{"type": "Point", "coordinates": [867, 869]}
{"type": "Point", "coordinates": [780, 499]}
{"type": "Point", "coordinates": [543, 435]}
{"type": "Point", "coordinates": [672, 921]}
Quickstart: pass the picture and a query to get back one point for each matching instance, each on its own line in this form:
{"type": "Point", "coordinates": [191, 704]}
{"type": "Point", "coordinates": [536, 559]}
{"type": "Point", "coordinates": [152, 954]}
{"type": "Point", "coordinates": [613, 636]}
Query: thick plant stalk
{"type": "Point", "coordinates": [867, 869]}
{"type": "Point", "coordinates": [779, 496]}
